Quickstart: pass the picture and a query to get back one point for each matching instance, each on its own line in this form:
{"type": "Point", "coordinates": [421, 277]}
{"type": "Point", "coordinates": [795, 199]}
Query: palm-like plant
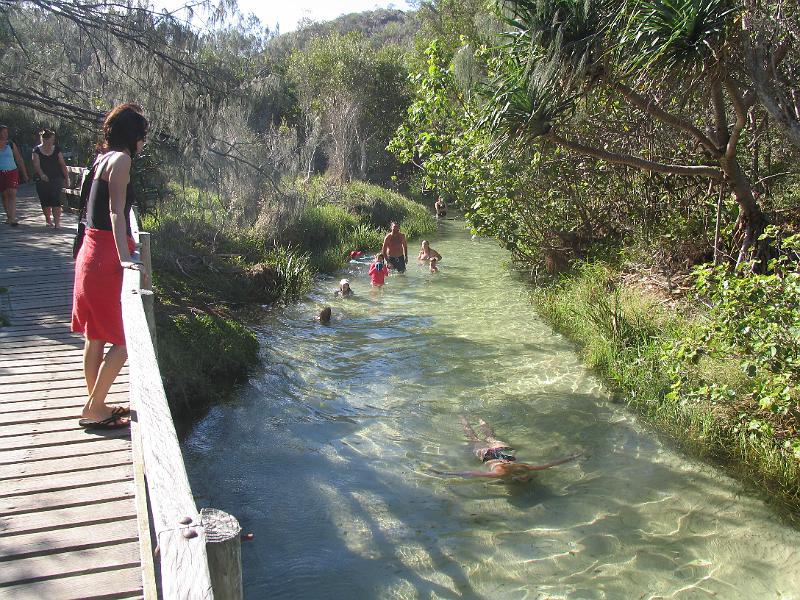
{"type": "Point", "coordinates": [549, 48]}
{"type": "Point", "coordinates": [671, 36]}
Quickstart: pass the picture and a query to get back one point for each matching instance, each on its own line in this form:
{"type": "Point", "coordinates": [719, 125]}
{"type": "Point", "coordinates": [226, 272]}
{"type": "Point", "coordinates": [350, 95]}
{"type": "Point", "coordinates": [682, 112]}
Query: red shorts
{"type": "Point", "coordinates": [96, 297]}
{"type": "Point", "coordinates": [9, 180]}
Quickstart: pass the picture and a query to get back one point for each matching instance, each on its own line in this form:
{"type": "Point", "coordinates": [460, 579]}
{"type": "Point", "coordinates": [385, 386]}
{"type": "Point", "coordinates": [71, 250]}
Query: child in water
{"type": "Point", "coordinates": [324, 316]}
{"type": "Point", "coordinates": [344, 289]}
{"type": "Point", "coordinates": [378, 270]}
{"type": "Point", "coordinates": [434, 268]}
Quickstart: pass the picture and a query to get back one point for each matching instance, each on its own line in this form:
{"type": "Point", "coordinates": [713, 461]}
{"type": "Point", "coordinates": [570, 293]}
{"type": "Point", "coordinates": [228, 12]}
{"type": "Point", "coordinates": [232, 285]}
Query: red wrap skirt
{"type": "Point", "coordinates": [96, 296]}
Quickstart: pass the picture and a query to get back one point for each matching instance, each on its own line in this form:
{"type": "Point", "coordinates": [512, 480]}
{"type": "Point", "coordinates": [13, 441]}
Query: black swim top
{"type": "Point", "coordinates": [497, 454]}
{"type": "Point", "coordinates": [98, 207]}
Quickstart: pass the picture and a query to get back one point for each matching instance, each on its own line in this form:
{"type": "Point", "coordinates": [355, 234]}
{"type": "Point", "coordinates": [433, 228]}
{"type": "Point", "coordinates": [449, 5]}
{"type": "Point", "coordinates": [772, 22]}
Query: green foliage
{"type": "Point", "coordinates": [339, 218]}
{"type": "Point", "coordinates": [677, 36]}
{"type": "Point", "coordinates": [752, 320]}
{"type": "Point", "coordinates": [295, 273]}
{"type": "Point", "coordinates": [201, 355]}
{"type": "Point", "coordinates": [713, 380]}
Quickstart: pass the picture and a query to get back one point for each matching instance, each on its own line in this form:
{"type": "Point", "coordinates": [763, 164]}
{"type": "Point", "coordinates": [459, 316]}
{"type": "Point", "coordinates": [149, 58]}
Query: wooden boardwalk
{"type": "Point", "coordinates": [68, 501]}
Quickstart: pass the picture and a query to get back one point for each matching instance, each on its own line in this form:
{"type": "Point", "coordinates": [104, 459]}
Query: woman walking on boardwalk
{"type": "Point", "coordinates": [48, 163]}
{"type": "Point", "coordinates": [11, 165]}
{"type": "Point", "coordinates": [104, 254]}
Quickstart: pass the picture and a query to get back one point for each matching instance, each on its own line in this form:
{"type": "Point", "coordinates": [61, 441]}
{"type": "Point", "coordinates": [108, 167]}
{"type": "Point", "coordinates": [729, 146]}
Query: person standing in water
{"type": "Point", "coordinates": [48, 163]}
{"type": "Point", "coordinates": [11, 165]}
{"type": "Point", "coordinates": [395, 248]}
{"type": "Point", "coordinates": [427, 253]}
{"type": "Point", "coordinates": [498, 456]}
{"type": "Point", "coordinates": [441, 208]}
{"type": "Point", "coordinates": [378, 271]}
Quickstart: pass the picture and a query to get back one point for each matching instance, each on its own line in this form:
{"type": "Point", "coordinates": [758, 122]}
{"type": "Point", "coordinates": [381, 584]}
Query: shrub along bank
{"type": "Point", "coordinates": [211, 275]}
{"type": "Point", "coordinates": [719, 372]}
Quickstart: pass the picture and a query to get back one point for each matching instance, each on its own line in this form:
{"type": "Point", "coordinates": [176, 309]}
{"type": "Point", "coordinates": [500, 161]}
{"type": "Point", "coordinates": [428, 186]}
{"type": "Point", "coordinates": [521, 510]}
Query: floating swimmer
{"type": "Point", "coordinates": [498, 455]}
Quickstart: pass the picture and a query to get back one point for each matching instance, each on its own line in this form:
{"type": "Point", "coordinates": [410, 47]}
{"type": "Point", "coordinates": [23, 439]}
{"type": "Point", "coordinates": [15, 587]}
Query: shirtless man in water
{"type": "Point", "coordinates": [497, 454]}
{"type": "Point", "coordinates": [395, 248]}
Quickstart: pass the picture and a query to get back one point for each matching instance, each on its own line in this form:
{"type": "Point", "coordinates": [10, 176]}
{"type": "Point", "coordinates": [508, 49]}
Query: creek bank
{"type": "Point", "coordinates": [212, 280]}
{"type": "Point", "coordinates": [668, 363]}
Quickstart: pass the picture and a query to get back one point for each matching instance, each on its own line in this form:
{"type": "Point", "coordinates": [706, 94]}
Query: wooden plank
{"type": "Point", "coordinates": [45, 375]}
{"type": "Point", "coordinates": [36, 339]}
{"type": "Point", "coordinates": [51, 520]}
{"type": "Point", "coordinates": [184, 562]}
{"type": "Point", "coordinates": [119, 583]}
{"type": "Point", "coordinates": [36, 484]}
{"type": "Point", "coordinates": [149, 573]}
{"type": "Point", "coordinates": [12, 430]}
{"type": "Point", "coordinates": [68, 538]}
{"type": "Point", "coordinates": [64, 366]}
{"type": "Point", "coordinates": [76, 562]}
{"type": "Point", "coordinates": [10, 330]}
{"type": "Point", "coordinates": [13, 392]}
{"type": "Point", "coordinates": [75, 436]}
{"type": "Point", "coordinates": [35, 401]}
{"type": "Point", "coordinates": [19, 397]}
{"type": "Point", "coordinates": [43, 378]}
{"type": "Point", "coordinates": [61, 355]}
{"type": "Point", "coordinates": [34, 416]}
{"type": "Point", "coordinates": [65, 464]}
{"type": "Point", "coordinates": [90, 494]}
{"type": "Point", "coordinates": [89, 446]}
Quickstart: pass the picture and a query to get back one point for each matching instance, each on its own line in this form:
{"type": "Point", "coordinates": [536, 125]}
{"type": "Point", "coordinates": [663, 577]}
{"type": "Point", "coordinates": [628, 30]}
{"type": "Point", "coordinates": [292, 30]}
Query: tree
{"type": "Point", "coordinates": [357, 94]}
{"type": "Point", "coordinates": [673, 63]}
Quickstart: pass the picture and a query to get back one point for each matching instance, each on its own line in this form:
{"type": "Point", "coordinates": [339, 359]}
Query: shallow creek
{"type": "Point", "coordinates": [324, 456]}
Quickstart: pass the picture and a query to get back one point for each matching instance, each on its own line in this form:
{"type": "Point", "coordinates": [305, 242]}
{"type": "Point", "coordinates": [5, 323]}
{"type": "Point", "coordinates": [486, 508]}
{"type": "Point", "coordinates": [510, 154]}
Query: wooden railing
{"type": "Point", "coordinates": [181, 540]}
{"type": "Point", "coordinates": [189, 569]}
{"type": "Point", "coordinates": [72, 188]}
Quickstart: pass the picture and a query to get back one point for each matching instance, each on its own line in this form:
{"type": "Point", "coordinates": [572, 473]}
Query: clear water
{"type": "Point", "coordinates": [324, 457]}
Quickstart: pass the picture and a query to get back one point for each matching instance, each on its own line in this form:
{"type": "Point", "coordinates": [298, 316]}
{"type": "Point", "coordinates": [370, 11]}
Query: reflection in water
{"type": "Point", "coordinates": [324, 456]}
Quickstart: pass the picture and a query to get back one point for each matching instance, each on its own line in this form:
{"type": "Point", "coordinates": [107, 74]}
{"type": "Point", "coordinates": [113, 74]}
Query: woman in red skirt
{"type": "Point", "coordinates": [104, 254]}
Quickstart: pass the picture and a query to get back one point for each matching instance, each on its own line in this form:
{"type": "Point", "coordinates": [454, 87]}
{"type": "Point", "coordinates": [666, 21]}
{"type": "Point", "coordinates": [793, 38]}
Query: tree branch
{"type": "Point", "coordinates": [635, 161]}
{"type": "Point", "coordinates": [652, 108]}
{"type": "Point", "coordinates": [741, 116]}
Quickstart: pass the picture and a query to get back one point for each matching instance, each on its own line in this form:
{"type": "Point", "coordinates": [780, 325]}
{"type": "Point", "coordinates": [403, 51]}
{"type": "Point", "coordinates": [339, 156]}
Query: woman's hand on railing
{"type": "Point", "coordinates": [132, 264]}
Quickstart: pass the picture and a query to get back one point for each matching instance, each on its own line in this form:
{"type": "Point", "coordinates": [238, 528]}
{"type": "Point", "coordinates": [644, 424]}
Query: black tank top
{"type": "Point", "coordinates": [98, 207]}
{"type": "Point", "coordinates": [49, 164]}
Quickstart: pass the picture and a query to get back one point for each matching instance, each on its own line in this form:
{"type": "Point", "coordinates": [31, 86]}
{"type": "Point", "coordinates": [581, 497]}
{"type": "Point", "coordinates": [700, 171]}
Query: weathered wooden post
{"type": "Point", "coordinates": [146, 285]}
{"type": "Point", "coordinates": [223, 547]}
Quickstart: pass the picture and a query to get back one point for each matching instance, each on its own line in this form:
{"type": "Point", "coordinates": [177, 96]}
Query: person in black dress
{"type": "Point", "coordinates": [51, 172]}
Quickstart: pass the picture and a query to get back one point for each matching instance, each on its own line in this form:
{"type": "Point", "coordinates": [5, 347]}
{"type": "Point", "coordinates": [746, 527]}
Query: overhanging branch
{"type": "Point", "coordinates": [635, 161]}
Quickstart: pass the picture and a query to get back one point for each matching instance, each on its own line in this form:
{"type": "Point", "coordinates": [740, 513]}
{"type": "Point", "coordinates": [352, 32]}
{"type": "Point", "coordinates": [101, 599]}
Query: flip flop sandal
{"type": "Point", "coordinates": [112, 422]}
{"type": "Point", "coordinates": [121, 411]}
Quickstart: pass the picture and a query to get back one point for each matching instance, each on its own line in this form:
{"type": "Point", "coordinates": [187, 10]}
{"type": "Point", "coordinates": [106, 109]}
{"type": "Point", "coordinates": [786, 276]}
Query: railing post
{"type": "Point", "coordinates": [146, 285]}
{"type": "Point", "coordinates": [223, 547]}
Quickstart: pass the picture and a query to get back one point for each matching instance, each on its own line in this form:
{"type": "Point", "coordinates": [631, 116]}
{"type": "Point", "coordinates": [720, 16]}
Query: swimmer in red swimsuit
{"type": "Point", "coordinates": [497, 454]}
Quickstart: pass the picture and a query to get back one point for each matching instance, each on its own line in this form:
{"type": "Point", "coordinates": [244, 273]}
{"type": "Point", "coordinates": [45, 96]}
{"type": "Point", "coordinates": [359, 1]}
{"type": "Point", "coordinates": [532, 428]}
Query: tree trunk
{"type": "Point", "coordinates": [751, 221]}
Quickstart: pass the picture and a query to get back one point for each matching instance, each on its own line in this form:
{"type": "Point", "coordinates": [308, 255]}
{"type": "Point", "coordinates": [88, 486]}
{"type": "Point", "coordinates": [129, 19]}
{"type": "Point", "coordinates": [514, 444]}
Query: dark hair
{"type": "Point", "coordinates": [325, 314]}
{"type": "Point", "coordinates": [124, 126]}
{"type": "Point", "coordinates": [3, 127]}
{"type": "Point", "coordinates": [46, 134]}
